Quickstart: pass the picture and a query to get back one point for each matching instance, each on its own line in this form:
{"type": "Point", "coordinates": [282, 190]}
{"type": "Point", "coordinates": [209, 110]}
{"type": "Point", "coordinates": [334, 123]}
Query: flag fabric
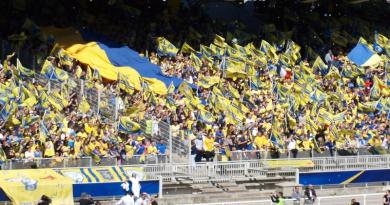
{"type": "Point", "coordinates": [52, 73]}
{"type": "Point", "coordinates": [126, 125]}
{"type": "Point", "coordinates": [186, 48]}
{"type": "Point", "coordinates": [205, 51]}
{"type": "Point", "coordinates": [196, 62]}
{"type": "Point", "coordinates": [217, 51]}
{"type": "Point", "coordinates": [268, 49]}
{"type": "Point", "coordinates": [57, 101]}
{"type": "Point", "coordinates": [235, 69]}
{"type": "Point", "coordinates": [362, 55]}
{"type": "Point", "coordinates": [25, 72]}
{"type": "Point", "coordinates": [125, 83]}
{"type": "Point", "coordinates": [206, 117]}
{"type": "Point", "coordinates": [319, 64]}
{"type": "Point", "coordinates": [381, 43]}
{"type": "Point", "coordinates": [84, 106]}
{"type": "Point", "coordinates": [219, 41]}
{"type": "Point", "coordinates": [165, 48]}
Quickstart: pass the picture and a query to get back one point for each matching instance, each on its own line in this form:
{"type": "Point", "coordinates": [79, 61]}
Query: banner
{"type": "Point", "coordinates": [289, 163]}
{"type": "Point", "coordinates": [101, 174]}
{"type": "Point", "coordinates": [27, 186]}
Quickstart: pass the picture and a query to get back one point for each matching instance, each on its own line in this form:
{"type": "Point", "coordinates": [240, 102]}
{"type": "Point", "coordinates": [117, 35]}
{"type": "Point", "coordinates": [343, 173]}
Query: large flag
{"type": "Point", "coordinates": [362, 55]}
{"type": "Point", "coordinates": [165, 48]}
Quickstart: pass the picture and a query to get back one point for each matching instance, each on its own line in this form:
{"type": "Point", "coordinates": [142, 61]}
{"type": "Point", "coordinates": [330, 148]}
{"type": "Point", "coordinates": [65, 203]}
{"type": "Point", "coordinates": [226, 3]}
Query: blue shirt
{"type": "Point", "coordinates": [140, 150]}
{"type": "Point", "coordinates": [161, 148]}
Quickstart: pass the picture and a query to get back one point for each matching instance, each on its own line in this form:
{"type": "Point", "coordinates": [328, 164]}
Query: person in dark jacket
{"type": "Point", "coordinates": [45, 200]}
{"type": "Point", "coordinates": [310, 195]}
{"type": "Point", "coordinates": [86, 199]}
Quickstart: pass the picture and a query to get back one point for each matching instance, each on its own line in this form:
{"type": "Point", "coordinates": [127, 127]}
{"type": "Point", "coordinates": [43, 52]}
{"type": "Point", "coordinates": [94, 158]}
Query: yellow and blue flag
{"type": "Point", "coordinates": [23, 71]}
{"type": "Point", "coordinates": [220, 41]}
{"type": "Point", "coordinates": [57, 101]}
{"type": "Point", "coordinates": [126, 125]}
{"type": "Point", "coordinates": [165, 48]}
{"type": "Point", "coordinates": [186, 48]}
{"type": "Point", "coordinates": [363, 56]}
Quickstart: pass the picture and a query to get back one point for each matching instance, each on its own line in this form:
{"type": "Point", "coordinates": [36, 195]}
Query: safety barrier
{"type": "Point", "coordinates": [285, 154]}
{"type": "Point", "coordinates": [61, 162]}
{"type": "Point", "coordinates": [363, 199]}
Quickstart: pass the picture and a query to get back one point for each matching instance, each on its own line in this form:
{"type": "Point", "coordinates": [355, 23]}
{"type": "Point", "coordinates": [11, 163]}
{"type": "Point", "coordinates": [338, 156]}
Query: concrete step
{"type": "Point", "coordinates": [211, 190]}
{"type": "Point", "coordinates": [202, 186]}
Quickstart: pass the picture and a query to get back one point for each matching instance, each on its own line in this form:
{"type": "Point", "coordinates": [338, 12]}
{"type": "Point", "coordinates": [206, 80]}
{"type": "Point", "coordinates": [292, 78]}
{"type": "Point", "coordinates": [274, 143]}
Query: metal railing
{"type": "Point", "coordinates": [363, 199]}
{"type": "Point", "coordinates": [222, 171]}
{"type": "Point", "coordinates": [63, 162]}
{"type": "Point", "coordinates": [285, 154]}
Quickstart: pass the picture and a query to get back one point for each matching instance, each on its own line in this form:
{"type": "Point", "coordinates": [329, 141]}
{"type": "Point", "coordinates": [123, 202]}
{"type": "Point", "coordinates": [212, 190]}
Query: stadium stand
{"type": "Point", "coordinates": [74, 94]}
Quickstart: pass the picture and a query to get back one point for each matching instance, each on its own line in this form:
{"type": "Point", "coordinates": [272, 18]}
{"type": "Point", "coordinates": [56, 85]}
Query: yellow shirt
{"type": "Point", "coordinates": [151, 150]}
{"type": "Point", "coordinates": [307, 144]}
{"type": "Point", "coordinates": [375, 142]}
{"type": "Point", "coordinates": [260, 141]}
{"type": "Point", "coordinates": [209, 144]}
{"type": "Point", "coordinates": [77, 146]}
{"type": "Point", "coordinates": [49, 151]}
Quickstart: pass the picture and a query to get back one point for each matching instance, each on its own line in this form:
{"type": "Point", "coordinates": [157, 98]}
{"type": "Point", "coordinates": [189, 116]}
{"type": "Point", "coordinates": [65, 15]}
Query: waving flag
{"type": "Point", "coordinates": [186, 48]}
{"type": "Point", "coordinates": [22, 70]}
{"type": "Point", "coordinates": [220, 41]}
{"type": "Point", "coordinates": [165, 48]}
{"type": "Point", "coordinates": [126, 125]}
{"type": "Point", "coordinates": [362, 55]}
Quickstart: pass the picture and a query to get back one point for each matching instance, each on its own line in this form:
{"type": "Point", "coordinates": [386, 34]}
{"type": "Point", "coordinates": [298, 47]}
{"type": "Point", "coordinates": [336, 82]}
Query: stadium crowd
{"type": "Point", "coordinates": [247, 98]}
{"type": "Point", "coordinates": [268, 97]}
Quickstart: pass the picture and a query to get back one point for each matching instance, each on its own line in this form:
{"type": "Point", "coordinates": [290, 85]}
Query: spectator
{"type": "Point", "coordinates": [354, 202]}
{"type": "Point", "coordinates": [128, 199]}
{"type": "Point", "coordinates": [161, 147]}
{"type": "Point", "coordinates": [310, 195]}
{"type": "Point", "coordinates": [386, 198]}
{"type": "Point", "coordinates": [143, 200]}
{"type": "Point", "coordinates": [296, 196]}
{"type": "Point", "coordinates": [277, 198]}
{"type": "Point", "coordinates": [45, 200]}
{"type": "Point", "coordinates": [86, 199]}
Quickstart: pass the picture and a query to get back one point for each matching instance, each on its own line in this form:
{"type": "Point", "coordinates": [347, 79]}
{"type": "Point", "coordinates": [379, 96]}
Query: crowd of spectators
{"type": "Point", "coordinates": [268, 121]}
{"type": "Point", "coordinates": [275, 114]}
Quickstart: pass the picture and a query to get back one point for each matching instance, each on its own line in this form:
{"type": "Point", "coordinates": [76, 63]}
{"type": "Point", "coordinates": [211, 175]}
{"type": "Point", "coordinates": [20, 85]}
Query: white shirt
{"type": "Point", "coordinates": [126, 200]}
{"type": "Point", "coordinates": [199, 144]}
{"type": "Point", "coordinates": [141, 201]}
{"type": "Point", "coordinates": [328, 57]}
{"type": "Point", "coordinates": [135, 186]}
{"type": "Point", "coordinates": [291, 145]}
{"type": "Point", "coordinates": [29, 154]}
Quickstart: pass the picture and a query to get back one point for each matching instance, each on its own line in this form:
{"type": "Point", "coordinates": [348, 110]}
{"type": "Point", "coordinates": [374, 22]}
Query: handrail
{"type": "Point", "coordinates": [318, 201]}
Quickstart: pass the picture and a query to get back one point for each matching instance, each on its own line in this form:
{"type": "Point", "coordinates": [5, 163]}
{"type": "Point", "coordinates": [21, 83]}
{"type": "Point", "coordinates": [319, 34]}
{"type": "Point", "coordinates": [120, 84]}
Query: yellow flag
{"type": "Point", "coordinates": [186, 48]}
{"type": "Point", "coordinates": [84, 106]}
{"type": "Point", "coordinates": [219, 41]}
